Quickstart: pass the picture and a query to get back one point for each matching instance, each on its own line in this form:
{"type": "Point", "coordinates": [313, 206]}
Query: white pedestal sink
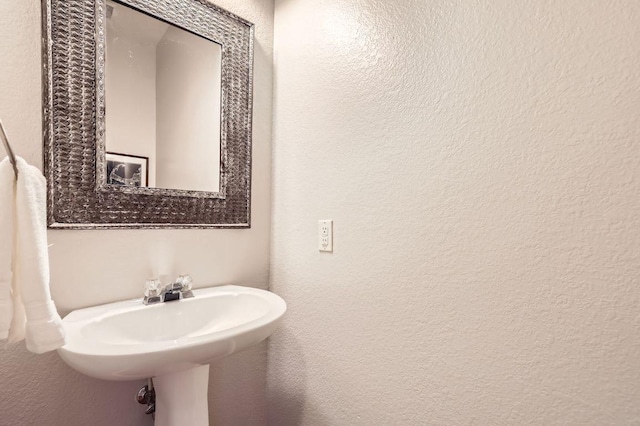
{"type": "Point", "coordinates": [173, 342]}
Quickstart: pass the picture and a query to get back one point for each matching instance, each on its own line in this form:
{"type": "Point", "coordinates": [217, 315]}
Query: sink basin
{"type": "Point", "coordinates": [172, 342]}
{"type": "Point", "coordinates": [128, 340]}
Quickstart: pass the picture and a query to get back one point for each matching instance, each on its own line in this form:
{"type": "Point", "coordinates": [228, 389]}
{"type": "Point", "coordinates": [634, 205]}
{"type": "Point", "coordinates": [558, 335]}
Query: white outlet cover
{"type": "Point", "coordinates": [325, 235]}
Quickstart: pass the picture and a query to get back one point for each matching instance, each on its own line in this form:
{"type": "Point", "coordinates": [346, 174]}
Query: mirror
{"type": "Point", "coordinates": [162, 103]}
{"type": "Point", "coordinates": [147, 114]}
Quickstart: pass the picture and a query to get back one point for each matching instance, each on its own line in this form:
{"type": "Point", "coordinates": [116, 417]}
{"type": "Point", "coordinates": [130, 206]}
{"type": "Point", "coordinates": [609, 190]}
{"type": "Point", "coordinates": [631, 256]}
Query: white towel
{"type": "Point", "coordinates": [7, 240]}
{"type": "Point", "coordinates": [34, 313]}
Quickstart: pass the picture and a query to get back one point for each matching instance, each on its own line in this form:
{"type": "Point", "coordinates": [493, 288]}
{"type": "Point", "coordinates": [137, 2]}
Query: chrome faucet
{"type": "Point", "coordinates": [154, 292]}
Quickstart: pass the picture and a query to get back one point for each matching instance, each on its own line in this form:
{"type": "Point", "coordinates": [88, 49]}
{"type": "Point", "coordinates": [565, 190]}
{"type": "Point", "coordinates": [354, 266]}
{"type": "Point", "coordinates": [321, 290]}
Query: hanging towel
{"type": "Point", "coordinates": [34, 314]}
{"type": "Point", "coordinates": [7, 206]}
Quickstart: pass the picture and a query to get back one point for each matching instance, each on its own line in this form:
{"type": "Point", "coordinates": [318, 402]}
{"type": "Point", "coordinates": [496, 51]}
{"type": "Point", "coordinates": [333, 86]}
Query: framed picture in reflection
{"type": "Point", "coordinates": [127, 170]}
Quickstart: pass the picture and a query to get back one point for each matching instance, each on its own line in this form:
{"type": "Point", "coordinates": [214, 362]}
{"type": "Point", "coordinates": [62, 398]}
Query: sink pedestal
{"type": "Point", "coordinates": [181, 397]}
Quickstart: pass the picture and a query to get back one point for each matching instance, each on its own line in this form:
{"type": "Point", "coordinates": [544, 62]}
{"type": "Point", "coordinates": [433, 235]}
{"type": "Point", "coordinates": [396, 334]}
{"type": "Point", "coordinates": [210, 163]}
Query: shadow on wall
{"type": "Point", "coordinates": [286, 390]}
{"type": "Point", "coordinates": [236, 388]}
{"type": "Point", "coordinates": [42, 388]}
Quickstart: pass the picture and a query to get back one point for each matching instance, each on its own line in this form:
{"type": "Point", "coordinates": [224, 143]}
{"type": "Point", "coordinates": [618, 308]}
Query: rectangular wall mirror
{"type": "Point", "coordinates": [147, 114]}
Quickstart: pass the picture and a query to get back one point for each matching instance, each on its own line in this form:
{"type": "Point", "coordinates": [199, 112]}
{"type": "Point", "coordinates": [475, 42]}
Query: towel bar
{"type": "Point", "coordinates": [7, 147]}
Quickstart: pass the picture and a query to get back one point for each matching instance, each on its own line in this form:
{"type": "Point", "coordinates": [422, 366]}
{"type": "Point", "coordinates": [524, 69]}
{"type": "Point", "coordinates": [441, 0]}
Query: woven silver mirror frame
{"type": "Point", "coordinates": [74, 124]}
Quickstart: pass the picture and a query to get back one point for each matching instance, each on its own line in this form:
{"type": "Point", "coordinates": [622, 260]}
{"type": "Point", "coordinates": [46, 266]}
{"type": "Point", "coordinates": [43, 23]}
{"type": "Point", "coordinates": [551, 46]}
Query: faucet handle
{"type": "Point", "coordinates": [185, 282]}
{"type": "Point", "coordinates": [152, 287]}
{"type": "Point", "coordinates": [152, 291]}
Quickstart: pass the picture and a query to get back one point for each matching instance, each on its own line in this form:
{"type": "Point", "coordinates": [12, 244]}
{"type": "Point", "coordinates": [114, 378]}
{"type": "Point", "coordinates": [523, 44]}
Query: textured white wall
{"type": "Point", "coordinates": [481, 161]}
{"type": "Point", "coordinates": [92, 267]}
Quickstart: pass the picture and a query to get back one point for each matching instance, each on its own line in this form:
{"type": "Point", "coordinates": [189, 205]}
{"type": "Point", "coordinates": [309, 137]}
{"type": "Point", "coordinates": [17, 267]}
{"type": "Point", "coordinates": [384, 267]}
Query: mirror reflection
{"type": "Point", "coordinates": [162, 100]}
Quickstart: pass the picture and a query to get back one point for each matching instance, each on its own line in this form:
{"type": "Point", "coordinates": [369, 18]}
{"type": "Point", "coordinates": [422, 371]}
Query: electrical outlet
{"type": "Point", "coordinates": [325, 235]}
